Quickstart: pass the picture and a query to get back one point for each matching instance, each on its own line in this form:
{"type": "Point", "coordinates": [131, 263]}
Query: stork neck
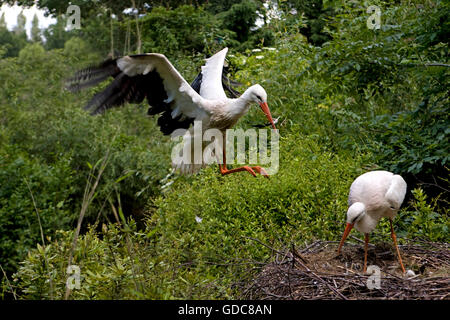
{"type": "Point", "coordinates": [240, 105]}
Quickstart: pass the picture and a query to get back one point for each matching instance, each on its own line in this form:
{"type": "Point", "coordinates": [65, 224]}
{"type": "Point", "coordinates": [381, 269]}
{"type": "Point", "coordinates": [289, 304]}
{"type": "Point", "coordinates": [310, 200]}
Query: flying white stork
{"type": "Point", "coordinates": [374, 195]}
{"type": "Point", "coordinates": [153, 77]}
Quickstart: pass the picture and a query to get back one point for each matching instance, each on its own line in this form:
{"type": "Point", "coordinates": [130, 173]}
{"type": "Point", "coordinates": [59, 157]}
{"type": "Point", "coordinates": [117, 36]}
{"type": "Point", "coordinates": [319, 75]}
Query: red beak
{"type": "Point", "coordinates": [265, 109]}
{"type": "Point", "coordinates": [348, 228]}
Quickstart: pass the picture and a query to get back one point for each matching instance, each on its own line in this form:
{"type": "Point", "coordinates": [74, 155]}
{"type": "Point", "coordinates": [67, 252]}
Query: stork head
{"type": "Point", "coordinates": [257, 94]}
{"type": "Point", "coordinates": [354, 214]}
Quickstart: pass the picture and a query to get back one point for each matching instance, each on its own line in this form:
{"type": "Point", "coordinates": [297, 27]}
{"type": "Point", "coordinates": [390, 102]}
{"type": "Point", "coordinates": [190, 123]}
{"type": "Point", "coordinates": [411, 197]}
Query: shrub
{"type": "Point", "coordinates": [414, 141]}
{"type": "Point", "coordinates": [181, 30]}
{"type": "Point", "coordinates": [47, 138]}
{"type": "Point", "coordinates": [422, 219]}
{"type": "Point", "coordinates": [32, 53]}
{"type": "Point", "coordinates": [240, 18]}
{"type": "Point", "coordinates": [76, 47]}
{"type": "Point", "coordinates": [178, 257]}
{"type": "Point", "coordinates": [29, 188]}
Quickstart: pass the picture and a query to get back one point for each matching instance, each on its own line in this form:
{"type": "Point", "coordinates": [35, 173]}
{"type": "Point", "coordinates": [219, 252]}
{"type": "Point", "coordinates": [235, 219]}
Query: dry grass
{"type": "Point", "coordinates": [317, 272]}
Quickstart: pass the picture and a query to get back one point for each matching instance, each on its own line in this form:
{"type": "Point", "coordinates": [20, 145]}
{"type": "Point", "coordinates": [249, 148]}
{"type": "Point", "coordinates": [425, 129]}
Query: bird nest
{"type": "Point", "coordinates": [317, 272]}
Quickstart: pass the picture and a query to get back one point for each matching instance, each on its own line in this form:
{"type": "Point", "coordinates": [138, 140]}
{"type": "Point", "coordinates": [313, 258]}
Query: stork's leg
{"type": "Point", "coordinates": [366, 245]}
{"type": "Point", "coordinates": [394, 238]}
{"type": "Point", "coordinates": [261, 171]}
{"type": "Point", "coordinates": [224, 170]}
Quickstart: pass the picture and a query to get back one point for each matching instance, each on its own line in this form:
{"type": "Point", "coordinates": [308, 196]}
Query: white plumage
{"type": "Point", "coordinates": [372, 196]}
{"type": "Point", "coordinates": [212, 77]}
{"type": "Point", "coordinates": [153, 77]}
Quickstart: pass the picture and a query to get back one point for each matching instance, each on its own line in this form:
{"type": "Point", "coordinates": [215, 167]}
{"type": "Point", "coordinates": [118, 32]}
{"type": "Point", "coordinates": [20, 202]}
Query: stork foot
{"type": "Point", "coordinates": [261, 171]}
{"type": "Point", "coordinates": [225, 171]}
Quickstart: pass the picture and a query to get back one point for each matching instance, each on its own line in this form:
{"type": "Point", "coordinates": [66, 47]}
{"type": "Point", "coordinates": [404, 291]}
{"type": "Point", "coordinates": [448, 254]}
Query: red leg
{"type": "Point", "coordinates": [225, 171]}
{"type": "Point", "coordinates": [251, 170]}
{"type": "Point", "coordinates": [261, 171]}
{"type": "Point", "coordinates": [394, 238]}
{"type": "Point", "coordinates": [366, 245]}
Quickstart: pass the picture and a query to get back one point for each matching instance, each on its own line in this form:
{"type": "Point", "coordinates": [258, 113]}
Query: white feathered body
{"type": "Point", "coordinates": [378, 193]}
{"type": "Point", "coordinates": [153, 76]}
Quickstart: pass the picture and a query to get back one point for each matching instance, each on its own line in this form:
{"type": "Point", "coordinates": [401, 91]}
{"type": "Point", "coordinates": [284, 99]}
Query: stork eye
{"type": "Point", "coordinates": [259, 98]}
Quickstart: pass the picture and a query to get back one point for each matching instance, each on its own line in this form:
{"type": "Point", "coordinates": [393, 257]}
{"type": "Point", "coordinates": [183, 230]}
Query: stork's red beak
{"type": "Point", "coordinates": [265, 109]}
{"type": "Point", "coordinates": [348, 228]}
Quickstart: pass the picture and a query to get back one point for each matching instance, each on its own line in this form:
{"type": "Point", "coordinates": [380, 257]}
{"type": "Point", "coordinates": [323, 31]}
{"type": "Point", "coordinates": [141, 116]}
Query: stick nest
{"type": "Point", "coordinates": [317, 272]}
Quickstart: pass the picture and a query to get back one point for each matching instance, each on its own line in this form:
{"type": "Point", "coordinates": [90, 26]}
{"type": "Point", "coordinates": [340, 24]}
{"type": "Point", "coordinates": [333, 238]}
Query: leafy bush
{"type": "Point", "coordinates": [365, 100]}
{"type": "Point", "coordinates": [415, 141]}
{"type": "Point", "coordinates": [76, 47]}
{"type": "Point", "coordinates": [241, 18]}
{"type": "Point", "coordinates": [184, 29]}
{"type": "Point", "coordinates": [178, 257]}
{"type": "Point", "coordinates": [33, 195]}
{"type": "Point", "coordinates": [316, 13]}
{"type": "Point", "coordinates": [108, 276]}
{"type": "Point", "coordinates": [422, 220]}
{"type": "Point", "coordinates": [32, 53]}
{"type": "Point", "coordinates": [11, 43]}
{"type": "Point", "coordinates": [45, 135]}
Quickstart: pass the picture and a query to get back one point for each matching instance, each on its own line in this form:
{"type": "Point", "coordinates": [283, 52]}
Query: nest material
{"type": "Point", "coordinates": [317, 272]}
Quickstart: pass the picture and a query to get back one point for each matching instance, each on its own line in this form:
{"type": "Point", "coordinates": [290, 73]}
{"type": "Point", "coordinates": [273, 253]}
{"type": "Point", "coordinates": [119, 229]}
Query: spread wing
{"type": "Point", "coordinates": [212, 80]}
{"type": "Point", "coordinates": [145, 76]}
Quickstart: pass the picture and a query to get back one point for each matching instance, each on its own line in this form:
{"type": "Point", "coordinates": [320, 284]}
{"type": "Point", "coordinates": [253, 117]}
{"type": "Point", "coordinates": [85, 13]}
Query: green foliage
{"type": "Point", "coordinates": [2, 21]}
{"type": "Point", "coordinates": [184, 29]}
{"type": "Point", "coordinates": [218, 6]}
{"type": "Point", "coordinates": [364, 100]}
{"type": "Point", "coordinates": [108, 276]}
{"type": "Point", "coordinates": [389, 98]}
{"type": "Point", "coordinates": [24, 178]}
{"type": "Point", "coordinates": [10, 43]}
{"type": "Point", "coordinates": [89, 8]}
{"type": "Point", "coordinates": [423, 220]}
{"type": "Point", "coordinates": [56, 34]}
{"type": "Point", "coordinates": [54, 139]}
{"type": "Point", "coordinates": [316, 14]}
{"type": "Point", "coordinates": [241, 18]}
{"type": "Point", "coordinates": [32, 53]}
{"type": "Point", "coordinates": [415, 141]}
{"type": "Point", "coordinates": [35, 31]}
{"type": "Point", "coordinates": [19, 28]}
{"type": "Point", "coordinates": [178, 257]}
{"type": "Point", "coordinates": [76, 47]}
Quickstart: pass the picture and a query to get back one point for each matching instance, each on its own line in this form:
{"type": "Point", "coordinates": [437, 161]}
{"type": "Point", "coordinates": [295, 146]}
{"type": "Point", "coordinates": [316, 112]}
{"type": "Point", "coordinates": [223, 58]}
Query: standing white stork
{"type": "Point", "coordinates": [153, 77]}
{"type": "Point", "coordinates": [374, 195]}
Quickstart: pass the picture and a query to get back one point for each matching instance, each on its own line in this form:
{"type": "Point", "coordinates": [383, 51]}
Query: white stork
{"type": "Point", "coordinates": [374, 195]}
{"type": "Point", "coordinates": [153, 77]}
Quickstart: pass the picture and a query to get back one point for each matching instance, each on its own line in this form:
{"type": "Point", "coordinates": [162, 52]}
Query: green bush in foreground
{"type": "Point", "coordinates": [49, 141]}
{"type": "Point", "coordinates": [178, 257]}
{"type": "Point", "coordinates": [24, 207]}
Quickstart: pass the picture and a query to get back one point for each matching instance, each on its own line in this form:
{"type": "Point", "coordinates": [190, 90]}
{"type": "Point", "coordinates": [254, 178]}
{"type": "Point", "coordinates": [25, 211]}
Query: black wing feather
{"type": "Point", "coordinates": [92, 76]}
{"type": "Point", "coordinates": [134, 90]}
